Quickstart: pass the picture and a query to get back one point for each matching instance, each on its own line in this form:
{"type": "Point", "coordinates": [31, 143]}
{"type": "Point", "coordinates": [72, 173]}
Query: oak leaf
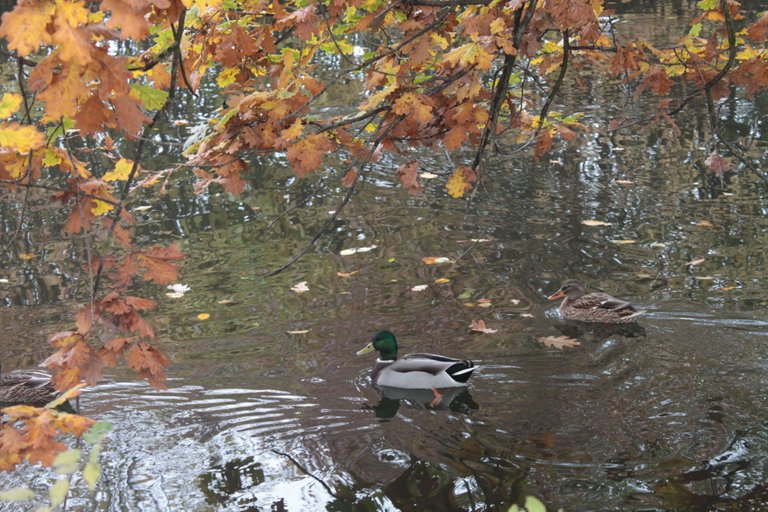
{"type": "Point", "coordinates": [25, 27]}
{"type": "Point", "coordinates": [307, 154]}
{"type": "Point", "coordinates": [460, 181]}
{"type": "Point", "coordinates": [9, 104]}
{"type": "Point", "coordinates": [558, 342]}
{"type": "Point", "coordinates": [479, 326]}
{"type": "Point", "coordinates": [409, 177]}
{"type": "Point", "coordinates": [20, 139]}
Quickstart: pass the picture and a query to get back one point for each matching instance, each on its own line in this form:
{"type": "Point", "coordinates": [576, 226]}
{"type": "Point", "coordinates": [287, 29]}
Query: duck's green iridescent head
{"type": "Point", "coordinates": [385, 343]}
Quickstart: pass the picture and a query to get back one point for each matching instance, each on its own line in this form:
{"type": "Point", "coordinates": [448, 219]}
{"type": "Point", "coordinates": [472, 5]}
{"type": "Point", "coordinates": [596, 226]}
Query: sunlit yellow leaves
{"type": "Point", "coordinates": [293, 132]}
{"type": "Point", "coordinates": [203, 316]}
{"type": "Point", "coordinates": [26, 26]}
{"type": "Point", "coordinates": [470, 54]}
{"type": "Point", "coordinates": [74, 43]}
{"type": "Point", "coordinates": [414, 104]}
{"type": "Point", "coordinates": [121, 171]}
{"type": "Point", "coordinates": [20, 139]}
{"type": "Point", "coordinates": [9, 104]}
{"type": "Point", "coordinates": [460, 181]}
{"type": "Point", "coordinates": [101, 207]}
{"type": "Point", "coordinates": [151, 97]}
{"type": "Point", "coordinates": [227, 77]}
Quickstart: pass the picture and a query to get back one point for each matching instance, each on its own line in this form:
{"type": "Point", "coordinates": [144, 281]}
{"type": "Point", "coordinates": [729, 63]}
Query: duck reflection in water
{"type": "Point", "coordinates": [457, 400]}
{"type": "Point", "coordinates": [597, 333]}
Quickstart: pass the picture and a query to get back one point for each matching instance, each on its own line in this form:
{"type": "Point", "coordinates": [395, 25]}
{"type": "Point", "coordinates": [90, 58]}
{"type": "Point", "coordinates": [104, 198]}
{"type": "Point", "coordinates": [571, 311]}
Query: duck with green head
{"type": "Point", "coordinates": [415, 371]}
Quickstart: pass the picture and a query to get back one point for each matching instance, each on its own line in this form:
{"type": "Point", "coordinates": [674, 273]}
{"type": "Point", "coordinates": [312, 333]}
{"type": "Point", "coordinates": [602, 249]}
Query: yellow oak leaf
{"type": "Point", "coordinates": [74, 43]}
{"type": "Point", "coordinates": [9, 104]}
{"type": "Point", "coordinates": [101, 207]}
{"type": "Point", "coordinates": [294, 131]}
{"type": "Point", "coordinates": [121, 171]}
{"type": "Point", "coordinates": [20, 139]}
{"type": "Point", "coordinates": [459, 182]}
{"type": "Point", "coordinates": [412, 104]}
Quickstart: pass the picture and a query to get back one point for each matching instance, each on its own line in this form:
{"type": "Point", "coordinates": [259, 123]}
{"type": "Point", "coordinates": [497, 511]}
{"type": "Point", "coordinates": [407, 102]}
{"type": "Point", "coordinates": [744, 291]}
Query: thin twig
{"type": "Point", "coordinates": [304, 470]}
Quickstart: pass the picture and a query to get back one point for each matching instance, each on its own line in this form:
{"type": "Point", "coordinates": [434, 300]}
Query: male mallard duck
{"type": "Point", "coordinates": [415, 371]}
{"type": "Point", "coordinates": [593, 307]}
{"type": "Point", "coordinates": [27, 388]}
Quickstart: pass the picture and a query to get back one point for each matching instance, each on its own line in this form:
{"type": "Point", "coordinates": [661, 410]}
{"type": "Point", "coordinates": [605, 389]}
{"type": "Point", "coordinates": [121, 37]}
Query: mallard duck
{"type": "Point", "coordinates": [415, 371]}
{"type": "Point", "coordinates": [26, 388]}
{"type": "Point", "coordinates": [593, 307]}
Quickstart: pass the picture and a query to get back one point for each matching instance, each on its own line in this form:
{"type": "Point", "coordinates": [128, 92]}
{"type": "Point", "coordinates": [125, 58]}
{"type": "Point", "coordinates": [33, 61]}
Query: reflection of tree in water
{"type": "Point", "coordinates": [220, 483]}
{"type": "Point", "coordinates": [596, 333]}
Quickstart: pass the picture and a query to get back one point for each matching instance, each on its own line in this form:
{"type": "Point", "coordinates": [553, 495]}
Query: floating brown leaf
{"type": "Point", "coordinates": [558, 342]}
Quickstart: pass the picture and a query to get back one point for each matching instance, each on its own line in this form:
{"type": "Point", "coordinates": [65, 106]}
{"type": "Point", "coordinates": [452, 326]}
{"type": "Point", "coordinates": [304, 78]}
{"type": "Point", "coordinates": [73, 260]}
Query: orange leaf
{"type": "Point", "coordinates": [26, 26]}
{"type": "Point", "coordinates": [307, 154]}
{"type": "Point", "coordinates": [409, 177]}
{"type": "Point", "coordinates": [459, 182]}
{"type": "Point", "coordinates": [350, 178]}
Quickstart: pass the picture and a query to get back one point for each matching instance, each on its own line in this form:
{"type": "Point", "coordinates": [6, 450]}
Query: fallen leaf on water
{"type": "Point", "coordinates": [595, 223]}
{"type": "Point", "coordinates": [300, 287]}
{"type": "Point", "coordinates": [658, 245]}
{"type": "Point", "coordinates": [727, 288]}
{"type": "Point", "coordinates": [469, 304]}
{"type": "Point", "coordinates": [625, 182]}
{"type": "Point", "coordinates": [141, 208]}
{"type": "Point", "coordinates": [305, 331]}
{"type": "Point", "coordinates": [419, 287]}
{"type": "Point", "coordinates": [624, 242]}
{"type": "Point", "coordinates": [558, 342]}
{"type": "Point", "coordinates": [26, 255]}
{"type": "Point", "coordinates": [435, 260]}
{"type": "Point", "coordinates": [225, 302]}
{"type": "Point", "coordinates": [695, 262]}
{"type": "Point", "coordinates": [442, 280]}
{"type": "Point", "coordinates": [479, 326]}
{"type": "Point", "coordinates": [391, 260]}
{"type": "Point", "coordinates": [479, 240]}
{"type": "Point", "coordinates": [484, 303]}
{"type": "Point", "coordinates": [203, 316]}
{"type": "Point", "coordinates": [515, 301]}
{"type": "Point", "coordinates": [347, 252]}
{"type": "Point", "coordinates": [427, 175]}
{"type": "Point", "coordinates": [703, 224]}
{"type": "Point", "coordinates": [347, 274]}
{"type": "Point", "coordinates": [467, 294]}
{"type": "Point", "coordinates": [704, 278]}
{"type": "Point", "coordinates": [527, 315]}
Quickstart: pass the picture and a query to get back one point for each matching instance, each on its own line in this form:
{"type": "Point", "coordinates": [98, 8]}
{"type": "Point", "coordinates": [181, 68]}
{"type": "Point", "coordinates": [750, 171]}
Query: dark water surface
{"type": "Point", "coordinates": [669, 416]}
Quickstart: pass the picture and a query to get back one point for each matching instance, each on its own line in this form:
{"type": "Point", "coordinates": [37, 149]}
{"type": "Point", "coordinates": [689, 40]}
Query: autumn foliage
{"type": "Point", "coordinates": [434, 73]}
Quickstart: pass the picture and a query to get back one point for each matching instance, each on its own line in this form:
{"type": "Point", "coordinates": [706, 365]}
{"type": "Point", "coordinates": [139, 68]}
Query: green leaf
{"type": "Point", "coordinates": [97, 432]}
{"type": "Point", "coordinates": [17, 494]}
{"type": "Point", "coordinates": [695, 30]}
{"type": "Point", "coordinates": [58, 492]}
{"type": "Point", "coordinates": [467, 294]}
{"type": "Point", "coordinates": [533, 504]}
{"type": "Point", "coordinates": [91, 474]}
{"type": "Point", "coordinates": [66, 462]}
{"type": "Point", "coordinates": [152, 98]}
{"type": "Point", "coordinates": [707, 5]}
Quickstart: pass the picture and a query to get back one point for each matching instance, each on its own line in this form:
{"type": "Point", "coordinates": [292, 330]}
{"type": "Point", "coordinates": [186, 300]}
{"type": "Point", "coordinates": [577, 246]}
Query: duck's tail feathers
{"type": "Point", "coordinates": [461, 371]}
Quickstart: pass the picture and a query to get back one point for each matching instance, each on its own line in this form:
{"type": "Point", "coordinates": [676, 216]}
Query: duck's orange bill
{"type": "Point", "coordinates": [557, 295]}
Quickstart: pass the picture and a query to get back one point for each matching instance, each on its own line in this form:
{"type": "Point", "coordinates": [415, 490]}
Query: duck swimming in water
{"type": "Point", "coordinates": [596, 307]}
{"type": "Point", "coordinates": [415, 371]}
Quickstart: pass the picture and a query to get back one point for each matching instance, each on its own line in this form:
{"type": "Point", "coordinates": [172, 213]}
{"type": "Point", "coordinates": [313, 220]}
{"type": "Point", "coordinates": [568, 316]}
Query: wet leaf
{"type": "Point", "coordinates": [304, 331]}
{"type": "Point", "coordinates": [558, 342]}
{"type": "Point", "coordinates": [442, 280]}
{"type": "Point", "coordinates": [479, 326]}
{"type": "Point", "coordinates": [427, 176]}
{"type": "Point", "coordinates": [347, 274]}
{"type": "Point", "coordinates": [484, 303]}
{"type": "Point", "coordinates": [300, 287]}
{"type": "Point", "coordinates": [695, 262]}
{"type": "Point", "coordinates": [435, 260]}
{"type": "Point", "coordinates": [467, 294]}
{"type": "Point", "coordinates": [26, 256]}
{"type": "Point", "coordinates": [625, 182]}
{"type": "Point", "coordinates": [203, 316]}
{"type": "Point", "coordinates": [703, 224]}
{"type": "Point", "coordinates": [595, 223]}
{"type": "Point", "coordinates": [658, 245]}
{"type": "Point", "coordinates": [420, 287]}
{"type": "Point", "coordinates": [624, 242]}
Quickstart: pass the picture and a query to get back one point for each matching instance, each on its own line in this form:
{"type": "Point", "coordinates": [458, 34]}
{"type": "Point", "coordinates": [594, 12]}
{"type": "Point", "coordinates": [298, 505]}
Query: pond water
{"type": "Point", "coordinates": [669, 415]}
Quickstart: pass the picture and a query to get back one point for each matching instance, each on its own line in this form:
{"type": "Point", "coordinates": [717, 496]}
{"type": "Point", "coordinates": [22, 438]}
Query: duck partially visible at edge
{"type": "Point", "coordinates": [596, 307]}
{"type": "Point", "coordinates": [26, 388]}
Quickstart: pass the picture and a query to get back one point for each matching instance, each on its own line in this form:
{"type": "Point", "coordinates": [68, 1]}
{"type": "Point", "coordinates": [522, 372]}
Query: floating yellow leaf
{"type": "Point", "coordinates": [26, 256]}
{"type": "Point", "coordinates": [442, 280]}
{"type": "Point", "coordinates": [595, 223]}
{"type": "Point", "coordinates": [457, 184]}
{"type": "Point", "coordinates": [347, 274]}
{"type": "Point", "coordinates": [624, 242]}
{"type": "Point", "coordinates": [203, 316]}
